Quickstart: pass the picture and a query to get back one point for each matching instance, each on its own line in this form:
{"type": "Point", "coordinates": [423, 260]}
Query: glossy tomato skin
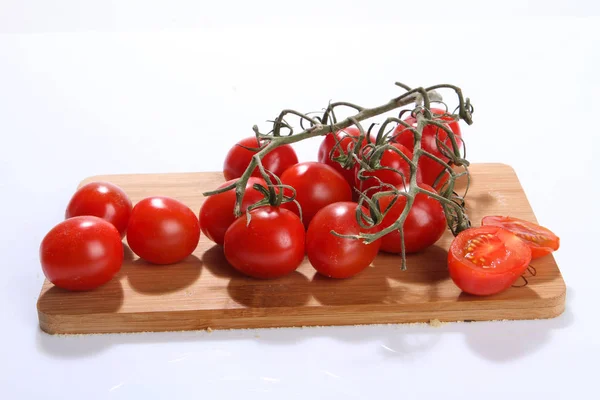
{"type": "Point", "coordinates": [429, 168]}
{"type": "Point", "coordinates": [346, 144]}
{"type": "Point", "coordinates": [216, 213]}
{"type": "Point", "coordinates": [331, 255]}
{"type": "Point", "coordinates": [270, 246]}
{"type": "Point", "coordinates": [238, 158]}
{"type": "Point", "coordinates": [81, 253]}
{"type": "Point", "coordinates": [487, 260]}
{"type": "Point", "coordinates": [162, 230]}
{"type": "Point", "coordinates": [389, 159]}
{"type": "Point", "coordinates": [104, 200]}
{"type": "Point", "coordinates": [424, 225]}
{"type": "Point", "coordinates": [542, 241]}
{"type": "Point", "coordinates": [317, 185]}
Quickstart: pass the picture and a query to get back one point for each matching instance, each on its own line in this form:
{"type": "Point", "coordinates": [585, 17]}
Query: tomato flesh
{"type": "Point", "coordinates": [540, 240]}
{"type": "Point", "coordinates": [487, 260]}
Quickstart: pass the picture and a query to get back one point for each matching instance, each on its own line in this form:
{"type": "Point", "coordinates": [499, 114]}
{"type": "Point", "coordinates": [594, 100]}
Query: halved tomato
{"type": "Point", "coordinates": [487, 260]}
{"type": "Point", "coordinates": [540, 240]}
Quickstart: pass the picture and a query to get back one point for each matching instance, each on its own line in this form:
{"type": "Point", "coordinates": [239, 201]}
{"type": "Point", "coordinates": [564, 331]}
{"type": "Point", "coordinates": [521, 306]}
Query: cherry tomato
{"type": "Point", "coordinates": [389, 159]}
{"type": "Point", "coordinates": [104, 200]}
{"type": "Point", "coordinates": [81, 253]}
{"type": "Point", "coordinates": [270, 246]}
{"type": "Point", "coordinates": [162, 230]}
{"type": "Point", "coordinates": [334, 256]}
{"type": "Point", "coordinates": [424, 225]}
{"type": "Point", "coordinates": [430, 169]}
{"type": "Point", "coordinates": [487, 260]}
{"type": "Point", "coordinates": [347, 142]}
{"type": "Point", "coordinates": [317, 185]}
{"type": "Point", "coordinates": [238, 158]}
{"type": "Point", "coordinates": [216, 213]}
{"type": "Point", "coordinates": [540, 240]}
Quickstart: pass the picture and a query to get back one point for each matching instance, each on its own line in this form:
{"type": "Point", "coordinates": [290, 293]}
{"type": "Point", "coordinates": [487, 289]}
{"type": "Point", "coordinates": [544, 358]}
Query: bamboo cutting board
{"type": "Point", "coordinates": [205, 292]}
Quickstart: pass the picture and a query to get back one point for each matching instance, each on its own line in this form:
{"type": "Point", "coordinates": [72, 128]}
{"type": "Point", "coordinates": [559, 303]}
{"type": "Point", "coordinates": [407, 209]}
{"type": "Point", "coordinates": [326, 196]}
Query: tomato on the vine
{"type": "Point", "coordinates": [81, 253]}
{"type": "Point", "coordinates": [343, 141]}
{"type": "Point", "coordinates": [270, 246]}
{"type": "Point", "coordinates": [332, 255]}
{"type": "Point", "coordinates": [487, 260]}
{"type": "Point", "coordinates": [424, 225]}
{"type": "Point", "coordinates": [541, 241]}
{"type": "Point", "coordinates": [317, 185]}
{"type": "Point", "coordinates": [163, 230]}
{"type": "Point", "coordinates": [238, 158]}
{"type": "Point", "coordinates": [104, 200]}
{"type": "Point", "coordinates": [216, 213]}
{"type": "Point", "coordinates": [430, 169]}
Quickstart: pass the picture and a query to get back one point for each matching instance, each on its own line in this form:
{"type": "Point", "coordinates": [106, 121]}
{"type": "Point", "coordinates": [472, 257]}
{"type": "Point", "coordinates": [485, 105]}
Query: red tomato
{"type": "Point", "coordinates": [540, 240]}
{"type": "Point", "coordinates": [487, 260]}
{"type": "Point", "coordinates": [162, 230]}
{"type": "Point", "coordinates": [270, 246]}
{"type": "Point", "coordinates": [81, 253]}
{"type": "Point", "coordinates": [104, 200]}
{"type": "Point", "coordinates": [331, 255]}
{"type": "Point", "coordinates": [238, 159]}
{"type": "Point", "coordinates": [429, 168]}
{"type": "Point", "coordinates": [317, 185]}
{"type": "Point", "coordinates": [216, 213]}
{"type": "Point", "coordinates": [389, 159]}
{"type": "Point", "coordinates": [424, 225]}
{"type": "Point", "coordinates": [347, 142]}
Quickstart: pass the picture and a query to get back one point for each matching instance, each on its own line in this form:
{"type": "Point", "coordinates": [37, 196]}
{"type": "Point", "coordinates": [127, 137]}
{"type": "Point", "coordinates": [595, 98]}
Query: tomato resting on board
{"type": "Point", "coordinates": [487, 260]}
{"type": "Point", "coordinates": [238, 158]}
{"type": "Point", "coordinates": [81, 253]}
{"type": "Point", "coordinates": [317, 185]}
{"type": "Point", "coordinates": [541, 241]}
{"type": "Point", "coordinates": [103, 200]}
{"type": "Point", "coordinates": [162, 230]}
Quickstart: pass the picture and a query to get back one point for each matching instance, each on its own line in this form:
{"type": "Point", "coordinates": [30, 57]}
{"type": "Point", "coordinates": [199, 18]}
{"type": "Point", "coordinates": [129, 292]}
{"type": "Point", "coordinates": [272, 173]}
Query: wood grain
{"type": "Point", "coordinates": [204, 291]}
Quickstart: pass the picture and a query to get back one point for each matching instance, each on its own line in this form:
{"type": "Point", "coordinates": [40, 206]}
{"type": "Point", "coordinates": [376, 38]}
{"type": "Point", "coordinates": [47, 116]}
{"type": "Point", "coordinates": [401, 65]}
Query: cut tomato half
{"type": "Point", "coordinates": [541, 240]}
{"type": "Point", "coordinates": [487, 260]}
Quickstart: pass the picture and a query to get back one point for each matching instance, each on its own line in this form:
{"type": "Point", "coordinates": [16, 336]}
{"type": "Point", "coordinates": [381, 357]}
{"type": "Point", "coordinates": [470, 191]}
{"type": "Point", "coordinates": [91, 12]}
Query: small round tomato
{"type": "Point", "coordinates": [216, 213]}
{"type": "Point", "coordinates": [487, 260]}
{"type": "Point", "coordinates": [104, 200]}
{"type": "Point", "coordinates": [270, 246]}
{"type": "Point", "coordinates": [330, 149]}
{"type": "Point", "coordinates": [317, 185]}
{"type": "Point", "coordinates": [430, 169]}
{"type": "Point", "coordinates": [332, 255]}
{"type": "Point", "coordinates": [389, 160]}
{"type": "Point", "coordinates": [424, 225]}
{"type": "Point", "coordinates": [541, 241]}
{"type": "Point", "coordinates": [162, 230]}
{"type": "Point", "coordinates": [238, 158]}
{"type": "Point", "coordinates": [81, 253]}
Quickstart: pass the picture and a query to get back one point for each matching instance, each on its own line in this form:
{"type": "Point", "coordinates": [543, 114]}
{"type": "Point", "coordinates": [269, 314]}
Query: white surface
{"type": "Point", "coordinates": [92, 88]}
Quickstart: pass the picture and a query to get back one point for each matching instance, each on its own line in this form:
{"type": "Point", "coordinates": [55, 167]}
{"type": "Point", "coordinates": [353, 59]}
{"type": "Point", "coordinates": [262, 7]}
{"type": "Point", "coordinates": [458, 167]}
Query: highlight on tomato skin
{"type": "Point", "coordinates": [541, 240]}
{"type": "Point", "coordinates": [487, 260]}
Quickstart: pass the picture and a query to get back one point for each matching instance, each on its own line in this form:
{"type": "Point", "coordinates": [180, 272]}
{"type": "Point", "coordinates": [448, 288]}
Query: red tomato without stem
{"type": "Point", "coordinates": [81, 253]}
{"type": "Point", "coordinates": [334, 256]}
{"type": "Point", "coordinates": [317, 185]}
{"type": "Point", "coordinates": [541, 241]}
{"type": "Point", "coordinates": [103, 200]}
{"type": "Point", "coordinates": [424, 225]}
{"type": "Point", "coordinates": [216, 213]}
{"type": "Point", "coordinates": [163, 230]}
{"type": "Point", "coordinates": [270, 246]}
{"type": "Point", "coordinates": [238, 158]}
{"type": "Point", "coordinates": [487, 260]}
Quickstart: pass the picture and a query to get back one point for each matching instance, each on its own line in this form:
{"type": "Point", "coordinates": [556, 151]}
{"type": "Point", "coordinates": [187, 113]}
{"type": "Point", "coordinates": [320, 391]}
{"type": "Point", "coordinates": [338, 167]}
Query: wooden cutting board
{"type": "Point", "coordinates": [205, 292]}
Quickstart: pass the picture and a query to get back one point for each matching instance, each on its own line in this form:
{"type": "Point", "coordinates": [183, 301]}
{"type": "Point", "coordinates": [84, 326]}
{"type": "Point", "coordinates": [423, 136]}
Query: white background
{"type": "Point", "coordinates": [101, 87]}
